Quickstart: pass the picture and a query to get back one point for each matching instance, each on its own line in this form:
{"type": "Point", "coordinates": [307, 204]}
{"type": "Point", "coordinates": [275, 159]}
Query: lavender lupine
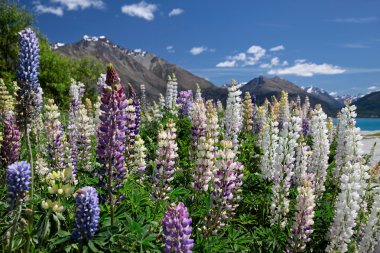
{"type": "Point", "coordinates": [247, 112]}
{"type": "Point", "coordinates": [87, 214]}
{"type": "Point", "coordinates": [18, 182]}
{"type": "Point", "coordinates": [303, 220]}
{"type": "Point", "coordinates": [184, 102]}
{"type": "Point", "coordinates": [165, 161]}
{"type": "Point", "coordinates": [29, 94]}
{"type": "Point", "coordinates": [198, 123]}
{"type": "Point", "coordinates": [177, 229]}
{"type": "Point", "coordinates": [268, 139]}
{"type": "Point", "coordinates": [319, 160]}
{"type": "Point", "coordinates": [284, 169]}
{"type": "Point", "coordinates": [305, 126]}
{"type": "Point", "coordinates": [226, 189]}
{"type": "Point", "coordinates": [371, 236]}
{"type": "Point", "coordinates": [305, 107]}
{"type": "Point", "coordinates": [10, 145]}
{"type": "Point", "coordinates": [233, 120]}
{"type": "Point", "coordinates": [353, 175]}
{"type": "Point", "coordinates": [111, 136]}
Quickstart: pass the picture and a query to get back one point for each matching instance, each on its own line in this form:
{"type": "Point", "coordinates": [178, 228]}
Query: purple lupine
{"type": "Point", "coordinates": [184, 102]}
{"type": "Point", "coordinates": [165, 161]}
{"type": "Point", "coordinates": [111, 134]}
{"type": "Point", "coordinates": [87, 214]}
{"type": "Point", "coordinates": [10, 144]}
{"type": "Point", "coordinates": [303, 220]}
{"type": "Point", "coordinates": [305, 126]}
{"type": "Point", "coordinates": [226, 189]}
{"type": "Point", "coordinates": [29, 94]}
{"type": "Point", "coordinates": [177, 229]}
{"type": "Point", "coordinates": [18, 181]}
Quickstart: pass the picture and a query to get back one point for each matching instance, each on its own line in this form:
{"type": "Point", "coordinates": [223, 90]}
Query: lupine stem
{"type": "Point", "coordinates": [14, 225]}
{"type": "Point", "coordinates": [30, 223]}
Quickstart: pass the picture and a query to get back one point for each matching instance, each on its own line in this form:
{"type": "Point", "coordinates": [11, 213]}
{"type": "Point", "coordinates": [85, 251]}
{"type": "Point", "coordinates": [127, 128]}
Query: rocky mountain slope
{"type": "Point", "coordinates": [369, 105]}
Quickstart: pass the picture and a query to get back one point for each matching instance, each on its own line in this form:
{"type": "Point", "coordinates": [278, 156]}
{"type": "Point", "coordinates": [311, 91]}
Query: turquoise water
{"type": "Point", "coordinates": [367, 124]}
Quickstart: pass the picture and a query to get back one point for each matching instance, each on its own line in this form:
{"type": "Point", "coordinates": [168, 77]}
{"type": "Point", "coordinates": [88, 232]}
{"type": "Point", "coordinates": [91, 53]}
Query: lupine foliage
{"type": "Point", "coordinates": [182, 175]}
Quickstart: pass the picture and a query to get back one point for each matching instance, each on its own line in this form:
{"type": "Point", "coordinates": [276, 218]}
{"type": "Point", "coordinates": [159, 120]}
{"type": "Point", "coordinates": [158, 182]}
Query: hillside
{"type": "Point", "coordinates": [264, 87]}
{"type": "Point", "coordinates": [369, 105]}
{"type": "Point", "coordinates": [139, 67]}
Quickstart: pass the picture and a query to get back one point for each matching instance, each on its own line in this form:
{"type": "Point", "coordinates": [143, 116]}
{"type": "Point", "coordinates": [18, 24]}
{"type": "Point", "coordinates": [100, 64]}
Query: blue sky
{"type": "Point", "coordinates": [333, 45]}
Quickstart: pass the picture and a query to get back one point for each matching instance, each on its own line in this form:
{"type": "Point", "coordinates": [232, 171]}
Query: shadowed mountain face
{"type": "Point", "coordinates": [369, 105]}
{"type": "Point", "coordinates": [140, 67]}
{"type": "Point", "coordinates": [264, 87]}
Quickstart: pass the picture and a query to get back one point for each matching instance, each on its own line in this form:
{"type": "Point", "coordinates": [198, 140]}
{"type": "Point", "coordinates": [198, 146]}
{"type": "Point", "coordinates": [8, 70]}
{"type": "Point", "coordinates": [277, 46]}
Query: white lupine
{"type": "Point", "coordinates": [268, 139]}
{"type": "Point", "coordinates": [319, 160]}
{"type": "Point", "coordinates": [371, 235]}
{"type": "Point", "coordinates": [284, 112]}
{"type": "Point", "coordinates": [171, 93]}
{"type": "Point", "coordinates": [305, 107]}
{"type": "Point", "coordinates": [139, 163]}
{"type": "Point", "coordinates": [233, 119]}
{"type": "Point", "coordinates": [159, 108]}
{"type": "Point", "coordinates": [353, 176]}
{"type": "Point", "coordinates": [284, 170]}
{"type": "Point", "coordinates": [219, 106]}
{"type": "Point", "coordinates": [84, 131]}
{"type": "Point", "coordinates": [198, 121]}
{"type": "Point", "coordinates": [302, 160]}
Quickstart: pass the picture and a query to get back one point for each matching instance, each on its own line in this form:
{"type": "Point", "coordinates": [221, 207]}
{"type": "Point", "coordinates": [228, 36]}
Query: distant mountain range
{"type": "Point", "coordinates": [141, 67]}
{"type": "Point", "coordinates": [369, 105]}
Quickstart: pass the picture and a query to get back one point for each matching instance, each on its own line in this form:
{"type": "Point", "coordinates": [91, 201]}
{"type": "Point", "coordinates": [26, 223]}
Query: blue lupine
{"type": "Point", "coordinates": [18, 181]}
{"type": "Point", "coordinates": [87, 214]}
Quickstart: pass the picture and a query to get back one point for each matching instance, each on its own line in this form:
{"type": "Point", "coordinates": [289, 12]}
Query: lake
{"type": "Point", "coordinates": [367, 124]}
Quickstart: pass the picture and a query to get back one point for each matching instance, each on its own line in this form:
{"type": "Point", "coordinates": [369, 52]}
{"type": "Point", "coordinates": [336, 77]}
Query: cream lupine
{"type": "Point", "coordinates": [233, 120]}
{"type": "Point", "coordinates": [198, 122]}
{"type": "Point", "coordinates": [247, 112]}
{"type": "Point", "coordinates": [353, 176]}
{"type": "Point", "coordinates": [268, 139]}
{"type": "Point", "coordinates": [139, 163]}
{"type": "Point", "coordinates": [319, 160]}
{"type": "Point", "coordinates": [284, 170]}
{"type": "Point", "coordinates": [371, 236]}
{"type": "Point", "coordinates": [284, 112]}
{"type": "Point", "coordinates": [302, 160]}
{"type": "Point", "coordinates": [330, 129]}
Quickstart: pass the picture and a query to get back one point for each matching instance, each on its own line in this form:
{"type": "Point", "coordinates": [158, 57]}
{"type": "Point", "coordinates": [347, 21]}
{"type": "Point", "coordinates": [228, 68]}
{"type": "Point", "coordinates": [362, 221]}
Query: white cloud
{"type": "Point", "coordinates": [372, 87]}
{"type": "Point", "coordinates": [39, 8]}
{"type": "Point", "coordinates": [277, 48]}
{"type": "Point", "coordinates": [256, 53]}
{"type": "Point", "coordinates": [361, 20]}
{"type": "Point", "coordinates": [355, 45]}
{"type": "Point", "coordinates": [175, 12]}
{"type": "Point", "coordinates": [170, 49]}
{"type": "Point", "coordinates": [226, 64]}
{"type": "Point", "coordinates": [142, 10]}
{"type": "Point", "coordinates": [238, 57]}
{"type": "Point", "coordinates": [198, 50]}
{"type": "Point", "coordinates": [334, 93]}
{"type": "Point", "coordinates": [302, 68]}
{"type": "Point", "coordinates": [275, 61]}
{"type": "Point", "coordinates": [79, 4]}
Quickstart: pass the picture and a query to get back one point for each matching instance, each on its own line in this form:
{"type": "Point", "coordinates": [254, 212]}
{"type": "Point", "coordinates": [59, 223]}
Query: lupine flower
{"type": "Point", "coordinates": [226, 189]}
{"type": "Point", "coordinates": [171, 93]}
{"type": "Point", "coordinates": [29, 94]}
{"type": "Point", "coordinates": [11, 142]}
{"type": "Point", "coordinates": [177, 229]}
{"type": "Point", "coordinates": [18, 181]}
{"type": "Point", "coordinates": [302, 160]}
{"type": "Point", "coordinates": [371, 236]}
{"type": "Point", "coordinates": [319, 160]}
{"type": "Point", "coordinates": [130, 113]}
{"type": "Point", "coordinates": [283, 114]}
{"type": "Point", "coordinates": [158, 111]}
{"type": "Point", "coordinates": [219, 106]}
{"type": "Point", "coordinates": [305, 126]}
{"type": "Point", "coordinates": [139, 163]}
{"type": "Point", "coordinates": [305, 107]}
{"type": "Point", "coordinates": [184, 102]}
{"type": "Point", "coordinates": [303, 220]}
{"type": "Point", "coordinates": [330, 129]}
{"type": "Point", "coordinates": [84, 131]}
{"type": "Point", "coordinates": [353, 175]}
{"type": "Point", "coordinates": [143, 97]}
{"type": "Point", "coordinates": [6, 101]}
{"type": "Point", "coordinates": [260, 117]}
{"type": "Point", "coordinates": [284, 171]}
{"type": "Point", "coordinates": [87, 214]}
{"type": "Point", "coordinates": [268, 139]}
{"type": "Point", "coordinates": [165, 161]}
{"type": "Point", "coordinates": [111, 134]}
{"type": "Point", "coordinates": [198, 122]}
{"type": "Point", "coordinates": [233, 120]}
{"type": "Point", "coordinates": [247, 112]}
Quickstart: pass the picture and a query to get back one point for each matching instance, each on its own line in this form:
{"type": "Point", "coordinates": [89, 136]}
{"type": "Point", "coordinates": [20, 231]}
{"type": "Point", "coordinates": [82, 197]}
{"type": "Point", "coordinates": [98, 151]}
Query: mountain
{"type": "Point", "coordinates": [264, 87]}
{"type": "Point", "coordinates": [369, 105]}
{"type": "Point", "coordinates": [139, 67]}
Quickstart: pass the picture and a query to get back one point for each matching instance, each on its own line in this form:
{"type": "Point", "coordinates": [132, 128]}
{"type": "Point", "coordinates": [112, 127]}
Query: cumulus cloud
{"type": "Point", "coordinates": [333, 93]}
{"type": "Point", "coordinates": [198, 50]}
{"type": "Point", "coordinates": [142, 10]}
{"type": "Point", "coordinates": [170, 49]}
{"type": "Point", "coordinates": [275, 61]}
{"type": "Point", "coordinates": [41, 9]}
{"type": "Point", "coordinates": [303, 68]}
{"type": "Point", "coordinates": [175, 12]}
{"type": "Point", "coordinates": [72, 5]}
{"type": "Point", "coordinates": [358, 20]}
{"type": "Point", "coordinates": [226, 64]}
{"type": "Point", "coordinates": [372, 87]}
{"type": "Point", "coordinates": [277, 48]}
